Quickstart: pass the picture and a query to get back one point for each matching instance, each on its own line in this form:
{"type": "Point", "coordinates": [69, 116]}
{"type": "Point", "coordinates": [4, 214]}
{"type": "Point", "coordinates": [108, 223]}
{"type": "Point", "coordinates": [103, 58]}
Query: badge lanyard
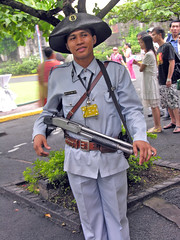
{"type": "Point", "coordinates": [88, 87]}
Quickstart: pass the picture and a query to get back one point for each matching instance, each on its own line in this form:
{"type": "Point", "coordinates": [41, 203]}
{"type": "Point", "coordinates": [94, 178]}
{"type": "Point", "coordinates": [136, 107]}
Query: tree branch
{"type": "Point", "coordinates": [107, 8]}
{"type": "Point", "coordinates": [46, 16]}
{"type": "Point", "coordinates": [82, 6]}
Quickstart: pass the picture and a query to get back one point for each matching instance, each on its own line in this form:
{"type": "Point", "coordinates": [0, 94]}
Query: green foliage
{"type": "Point", "coordinates": [21, 25]}
{"type": "Point", "coordinates": [27, 66]}
{"type": "Point", "coordinates": [135, 169]}
{"type": "Point", "coordinates": [51, 170]}
{"type": "Point", "coordinates": [7, 45]}
{"type": "Point", "coordinates": [145, 11]}
{"type": "Point", "coordinates": [132, 39]}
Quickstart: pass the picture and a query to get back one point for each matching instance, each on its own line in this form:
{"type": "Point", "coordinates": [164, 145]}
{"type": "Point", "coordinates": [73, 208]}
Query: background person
{"type": "Point", "coordinates": [150, 86]}
{"type": "Point", "coordinates": [179, 44]}
{"type": "Point", "coordinates": [168, 87]}
{"type": "Point", "coordinates": [172, 38]}
{"type": "Point", "coordinates": [129, 60]}
{"type": "Point", "coordinates": [116, 56]}
{"type": "Point", "coordinates": [43, 73]}
{"type": "Point", "coordinates": [98, 183]}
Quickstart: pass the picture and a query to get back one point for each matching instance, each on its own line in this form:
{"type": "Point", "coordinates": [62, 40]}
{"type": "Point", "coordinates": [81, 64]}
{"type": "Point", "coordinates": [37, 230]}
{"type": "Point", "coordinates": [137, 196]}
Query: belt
{"type": "Point", "coordinates": [86, 145]}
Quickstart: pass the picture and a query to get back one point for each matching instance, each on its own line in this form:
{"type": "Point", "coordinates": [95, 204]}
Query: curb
{"type": "Point", "coordinates": [69, 219]}
{"type": "Point", "coordinates": [20, 115]}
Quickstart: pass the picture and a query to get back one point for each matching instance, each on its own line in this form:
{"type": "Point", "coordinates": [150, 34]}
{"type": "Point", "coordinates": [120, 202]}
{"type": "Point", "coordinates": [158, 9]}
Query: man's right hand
{"type": "Point", "coordinates": [40, 142]}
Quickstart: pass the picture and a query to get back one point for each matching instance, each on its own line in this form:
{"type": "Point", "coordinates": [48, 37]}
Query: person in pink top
{"type": "Point", "coordinates": [116, 56]}
{"type": "Point", "coordinates": [43, 73]}
{"type": "Point", "coordinates": [129, 60]}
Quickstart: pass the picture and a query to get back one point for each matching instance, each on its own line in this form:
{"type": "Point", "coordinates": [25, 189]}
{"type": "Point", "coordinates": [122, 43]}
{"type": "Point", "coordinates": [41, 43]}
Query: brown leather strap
{"type": "Point", "coordinates": [86, 145]}
{"type": "Point", "coordinates": [80, 101]}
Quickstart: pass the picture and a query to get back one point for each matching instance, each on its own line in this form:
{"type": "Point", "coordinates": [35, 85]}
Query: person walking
{"type": "Point", "coordinates": [43, 73]}
{"type": "Point", "coordinates": [116, 56]}
{"type": "Point", "coordinates": [150, 85]}
{"type": "Point", "coordinates": [97, 174]}
{"type": "Point", "coordinates": [168, 86]}
{"type": "Point", "coordinates": [129, 60]}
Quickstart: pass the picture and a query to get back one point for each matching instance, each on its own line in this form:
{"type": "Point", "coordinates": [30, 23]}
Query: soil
{"type": "Point", "coordinates": [154, 175]}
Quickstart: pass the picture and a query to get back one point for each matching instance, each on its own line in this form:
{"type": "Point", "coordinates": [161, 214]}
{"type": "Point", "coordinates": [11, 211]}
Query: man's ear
{"type": "Point", "coordinates": [67, 46]}
{"type": "Point", "coordinates": [94, 39]}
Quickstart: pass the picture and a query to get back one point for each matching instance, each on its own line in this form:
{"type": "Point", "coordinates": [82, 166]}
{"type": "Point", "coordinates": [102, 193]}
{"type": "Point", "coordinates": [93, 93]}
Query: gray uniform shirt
{"type": "Point", "coordinates": [65, 79]}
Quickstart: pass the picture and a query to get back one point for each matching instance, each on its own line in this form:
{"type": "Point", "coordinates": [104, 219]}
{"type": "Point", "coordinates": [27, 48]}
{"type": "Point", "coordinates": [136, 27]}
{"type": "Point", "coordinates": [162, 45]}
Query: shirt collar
{"type": "Point", "coordinates": [78, 69]}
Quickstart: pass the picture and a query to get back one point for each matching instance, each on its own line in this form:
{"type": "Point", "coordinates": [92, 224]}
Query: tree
{"type": "Point", "coordinates": [18, 18]}
{"type": "Point", "coordinates": [145, 11]}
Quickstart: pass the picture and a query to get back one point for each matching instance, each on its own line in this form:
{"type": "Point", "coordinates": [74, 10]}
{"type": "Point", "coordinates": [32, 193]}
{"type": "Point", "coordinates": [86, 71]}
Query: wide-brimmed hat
{"type": "Point", "coordinates": [58, 37]}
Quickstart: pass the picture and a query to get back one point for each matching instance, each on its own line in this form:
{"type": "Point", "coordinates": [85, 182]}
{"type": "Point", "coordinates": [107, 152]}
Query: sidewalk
{"type": "Point", "coordinates": [153, 214]}
{"type": "Point", "coordinates": [21, 111]}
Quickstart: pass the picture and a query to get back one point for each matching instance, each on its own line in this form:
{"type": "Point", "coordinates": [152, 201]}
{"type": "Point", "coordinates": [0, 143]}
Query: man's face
{"type": "Point", "coordinates": [175, 29]}
{"type": "Point", "coordinates": [80, 43]}
{"type": "Point", "coordinates": [155, 36]}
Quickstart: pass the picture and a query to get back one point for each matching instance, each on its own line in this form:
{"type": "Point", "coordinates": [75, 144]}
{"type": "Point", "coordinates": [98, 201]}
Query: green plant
{"type": "Point", "coordinates": [51, 170]}
{"type": "Point", "coordinates": [26, 66]}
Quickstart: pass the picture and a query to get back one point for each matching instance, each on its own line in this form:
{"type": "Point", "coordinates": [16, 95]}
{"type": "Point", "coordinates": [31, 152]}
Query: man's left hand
{"type": "Point", "coordinates": [145, 149]}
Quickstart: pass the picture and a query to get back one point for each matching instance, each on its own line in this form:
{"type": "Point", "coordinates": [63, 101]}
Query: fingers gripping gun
{"type": "Point", "coordinates": [90, 134]}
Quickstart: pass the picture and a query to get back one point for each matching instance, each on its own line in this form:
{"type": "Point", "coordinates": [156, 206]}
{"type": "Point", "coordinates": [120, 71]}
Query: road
{"type": "Point", "coordinates": [17, 145]}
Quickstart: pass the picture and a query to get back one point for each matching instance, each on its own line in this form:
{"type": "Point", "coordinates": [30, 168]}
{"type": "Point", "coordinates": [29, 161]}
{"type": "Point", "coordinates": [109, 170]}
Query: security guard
{"type": "Point", "coordinates": [97, 178]}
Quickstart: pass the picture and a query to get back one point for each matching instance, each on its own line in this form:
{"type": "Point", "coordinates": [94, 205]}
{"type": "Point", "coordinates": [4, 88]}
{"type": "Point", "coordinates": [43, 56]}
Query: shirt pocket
{"type": "Point", "coordinates": [69, 102]}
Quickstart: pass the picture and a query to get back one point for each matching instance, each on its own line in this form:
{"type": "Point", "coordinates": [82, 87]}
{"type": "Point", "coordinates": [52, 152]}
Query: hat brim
{"type": "Point", "coordinates": [58, 37]}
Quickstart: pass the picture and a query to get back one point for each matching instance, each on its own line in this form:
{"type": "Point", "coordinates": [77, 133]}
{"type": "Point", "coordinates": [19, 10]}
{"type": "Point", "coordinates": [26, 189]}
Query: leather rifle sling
{"type": "Point", "coordinates": [80, 101]}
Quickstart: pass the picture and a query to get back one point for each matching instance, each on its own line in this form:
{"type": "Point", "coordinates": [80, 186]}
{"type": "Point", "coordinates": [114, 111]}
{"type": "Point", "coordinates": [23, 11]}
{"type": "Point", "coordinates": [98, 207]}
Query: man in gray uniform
{"type": "Point", "coordinates": [97, 176]}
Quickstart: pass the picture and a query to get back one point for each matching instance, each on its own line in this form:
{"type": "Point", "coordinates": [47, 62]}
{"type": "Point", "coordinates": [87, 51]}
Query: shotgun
{"type": "Point", "coordinates": [90, 134]}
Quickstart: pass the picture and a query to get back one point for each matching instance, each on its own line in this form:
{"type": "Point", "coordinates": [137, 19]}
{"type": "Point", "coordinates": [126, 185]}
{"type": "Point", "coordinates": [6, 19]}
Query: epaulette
{"type": "Point", "coordinates": [64, 65]}
{"type": "Point", "coordinates": [112, 62]}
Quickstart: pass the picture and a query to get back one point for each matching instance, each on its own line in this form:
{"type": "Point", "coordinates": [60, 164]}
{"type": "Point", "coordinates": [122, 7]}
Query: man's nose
{"type": "Point", "coordinates": [79, 40]}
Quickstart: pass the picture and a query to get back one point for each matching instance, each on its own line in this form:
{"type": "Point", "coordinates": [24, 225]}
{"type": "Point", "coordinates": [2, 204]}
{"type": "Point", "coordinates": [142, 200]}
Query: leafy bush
{"type": "Point", "coordinates": [27, 66]}
{"type": "Point", "coordinates": [53, 169]}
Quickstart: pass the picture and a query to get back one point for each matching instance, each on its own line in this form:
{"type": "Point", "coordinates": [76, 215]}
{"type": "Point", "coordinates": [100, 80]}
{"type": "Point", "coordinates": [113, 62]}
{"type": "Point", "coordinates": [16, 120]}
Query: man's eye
{"type": "Point", "coordinates": [72, 38]}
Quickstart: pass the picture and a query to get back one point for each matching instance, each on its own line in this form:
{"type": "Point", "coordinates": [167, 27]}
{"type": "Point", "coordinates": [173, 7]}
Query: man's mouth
{"type": "Point", "coordinates": [80, 49]}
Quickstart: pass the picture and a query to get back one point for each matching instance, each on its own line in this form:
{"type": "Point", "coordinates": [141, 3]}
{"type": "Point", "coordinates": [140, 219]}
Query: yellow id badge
{"type": "Point", "coordinates": [90, 111]}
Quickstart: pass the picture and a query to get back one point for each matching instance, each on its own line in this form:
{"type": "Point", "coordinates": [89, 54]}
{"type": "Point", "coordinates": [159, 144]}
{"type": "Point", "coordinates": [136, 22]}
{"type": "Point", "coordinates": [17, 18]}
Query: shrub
{"type": "Point", "coordinates": [53, 169]}
{"type": "Point", "coordinates": [26, 66]}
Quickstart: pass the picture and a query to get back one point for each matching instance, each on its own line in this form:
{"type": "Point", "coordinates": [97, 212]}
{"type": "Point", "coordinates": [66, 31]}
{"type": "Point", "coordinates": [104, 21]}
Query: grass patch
{"type": "Point", "coordinates": [25, 91]}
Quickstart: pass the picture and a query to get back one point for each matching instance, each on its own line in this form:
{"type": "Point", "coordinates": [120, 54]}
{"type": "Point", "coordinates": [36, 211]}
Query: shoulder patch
{"type": "Point", "coordinates": [64, 65]}
{"type": "Point", "coordinates": [113, 62]}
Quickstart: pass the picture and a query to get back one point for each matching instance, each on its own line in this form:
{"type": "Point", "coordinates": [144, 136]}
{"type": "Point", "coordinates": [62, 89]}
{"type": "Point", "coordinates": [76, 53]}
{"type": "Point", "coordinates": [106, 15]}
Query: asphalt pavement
{"type": "Point", "coordinates": [153, 214]}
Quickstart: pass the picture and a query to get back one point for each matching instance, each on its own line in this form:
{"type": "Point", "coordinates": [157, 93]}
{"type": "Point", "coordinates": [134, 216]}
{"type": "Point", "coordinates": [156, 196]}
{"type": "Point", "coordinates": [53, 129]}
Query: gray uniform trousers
{"type": "Point", "coordinates": [102, 205]}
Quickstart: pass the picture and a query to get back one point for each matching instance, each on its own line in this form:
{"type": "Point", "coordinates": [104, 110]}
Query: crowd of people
{"type": "Point", "coordinates": [159, 81]}
{"type": "Point", "coordinates": [159, 85]}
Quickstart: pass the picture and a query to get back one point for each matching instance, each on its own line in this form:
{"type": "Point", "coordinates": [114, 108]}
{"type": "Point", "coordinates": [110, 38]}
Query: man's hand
{"type": "Point", "coordinates": [145, 149]}
{"type": "Point", "coordinates": [40, 142]}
